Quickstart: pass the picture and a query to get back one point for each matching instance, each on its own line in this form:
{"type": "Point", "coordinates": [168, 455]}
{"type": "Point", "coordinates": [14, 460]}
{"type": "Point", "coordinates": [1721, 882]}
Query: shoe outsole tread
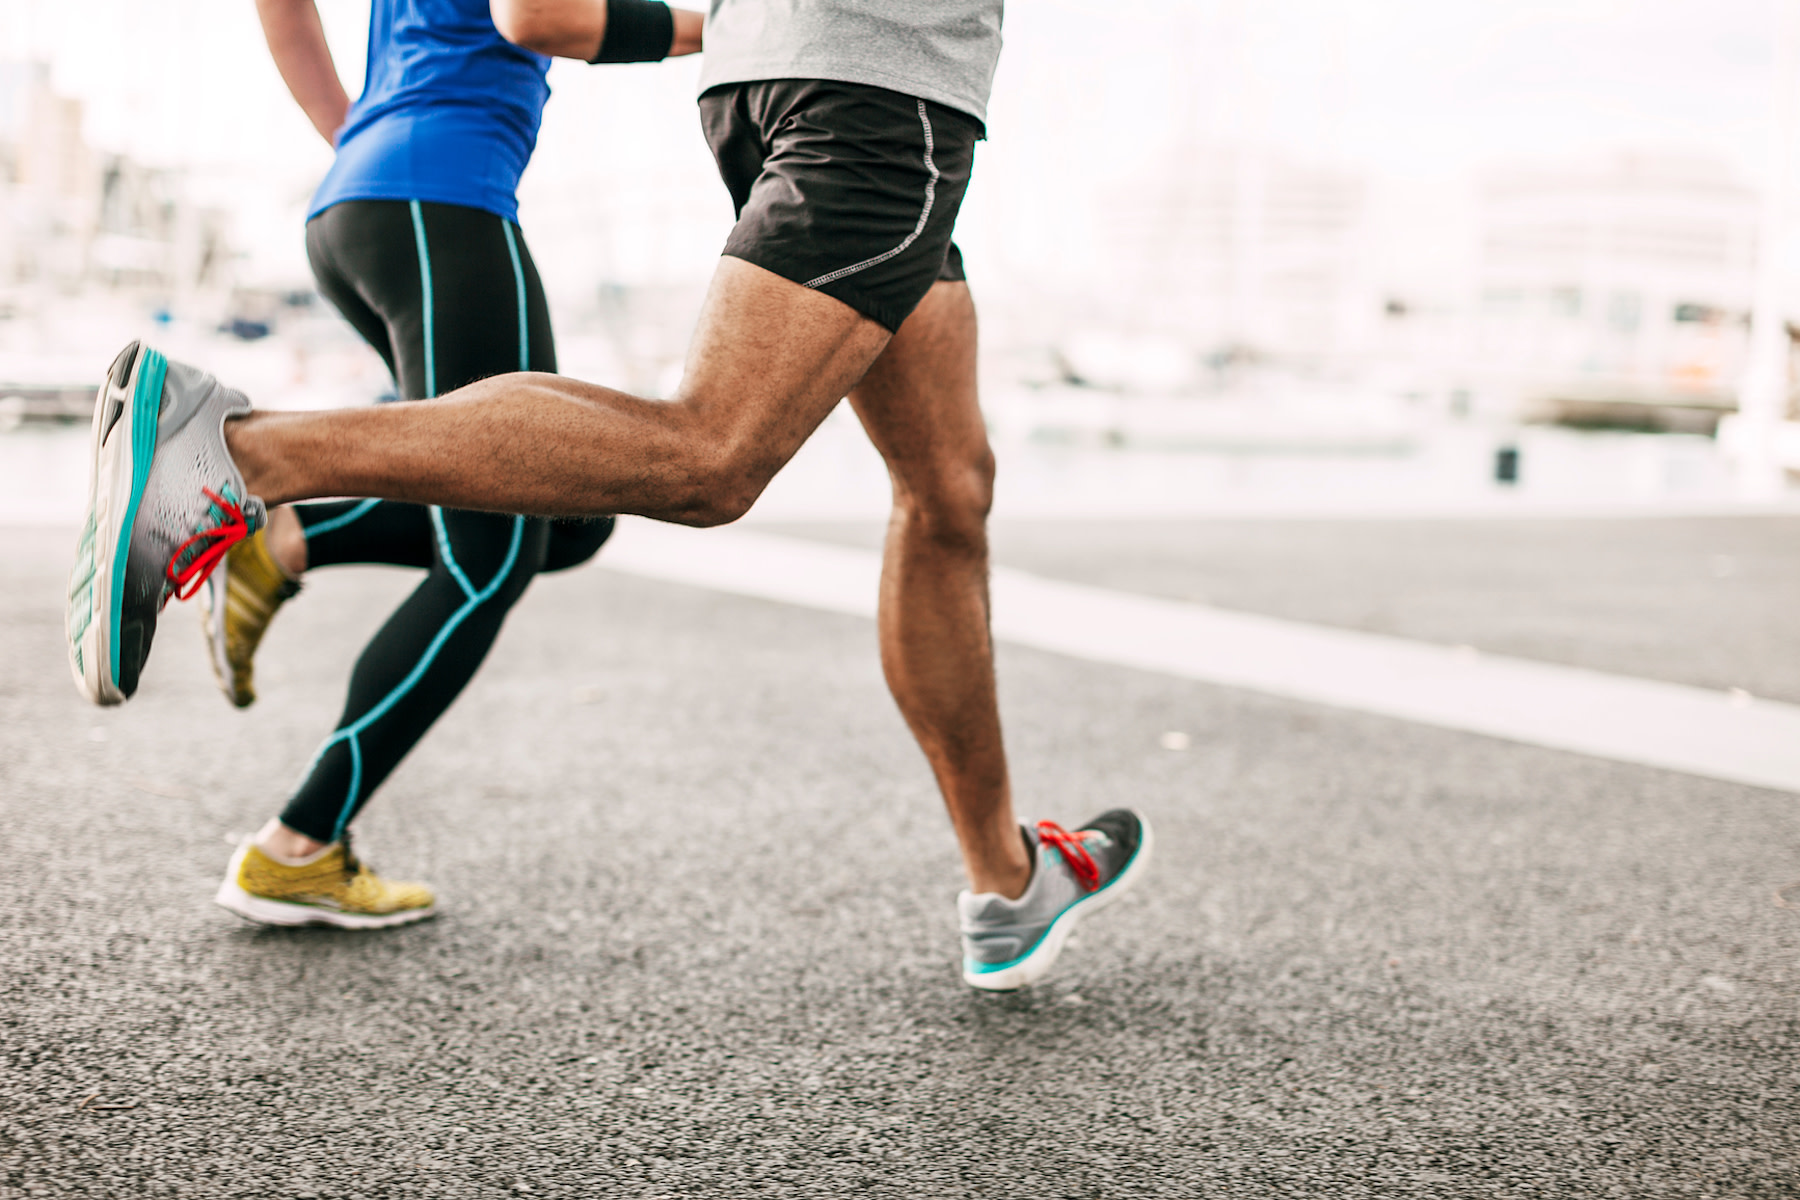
{"type": "Point", "coordinates": [125, 409]}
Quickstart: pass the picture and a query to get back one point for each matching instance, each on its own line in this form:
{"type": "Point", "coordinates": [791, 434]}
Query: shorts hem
{"type": "Point", "coordinates": [888, 316]}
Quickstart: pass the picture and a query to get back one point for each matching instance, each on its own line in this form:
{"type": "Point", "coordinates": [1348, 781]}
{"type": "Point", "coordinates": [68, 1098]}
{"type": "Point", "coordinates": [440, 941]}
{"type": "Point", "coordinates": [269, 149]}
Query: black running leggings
{"type": "Point", "coordinates": [446, 295]}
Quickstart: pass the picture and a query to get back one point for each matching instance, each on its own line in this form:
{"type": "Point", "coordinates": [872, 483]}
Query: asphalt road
{"type": "Point", "coordinates": [1708, 601]}
{"type": "Point", "coordinates": [698, 935]}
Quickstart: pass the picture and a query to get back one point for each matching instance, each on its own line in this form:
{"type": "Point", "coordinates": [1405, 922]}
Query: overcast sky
{"type": "Point", "coordinates": [1398, 84]}
{"type": "Point", "coordinates": [1088, 90]}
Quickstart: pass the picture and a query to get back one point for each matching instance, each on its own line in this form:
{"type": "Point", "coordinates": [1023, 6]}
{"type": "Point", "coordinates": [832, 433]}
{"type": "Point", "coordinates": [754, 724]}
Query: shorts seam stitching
{"type": "Point", "coordinates": [924, 216]}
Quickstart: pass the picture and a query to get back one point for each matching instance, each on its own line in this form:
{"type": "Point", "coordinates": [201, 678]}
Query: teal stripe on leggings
{"type": "Point", "coordinates": [512, 248]}
{"type": "Point", "coordinates": [418, 220]}
{"type": "Point", "coordinates": [337, 522]}
{"type": "Point", "coordinates": [418, 224]}
{"type": "Point", "coordinates": [474, 599]}
{"type": "Point", "coordinates": [349, 733]}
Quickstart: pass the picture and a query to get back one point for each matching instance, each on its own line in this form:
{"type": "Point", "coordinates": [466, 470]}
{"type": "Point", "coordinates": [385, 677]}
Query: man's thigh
{"type": "Point", "coordinates": [847, 197]}
{"type": "Point", "coordinates": [769, 360]}
{"type": "Point", "coordinates": [919, 401]}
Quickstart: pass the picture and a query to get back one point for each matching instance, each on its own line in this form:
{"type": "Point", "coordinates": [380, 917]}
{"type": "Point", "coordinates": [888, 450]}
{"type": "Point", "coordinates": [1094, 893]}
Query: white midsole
{"type": "Point", "coordinates": [265, 911]}
{"type": "Point", "coordinates": [85, 643]}
{"type": "Point", "coordinates": [111, 499]}
{"type": "Point", "coordinates": [1035, 965]}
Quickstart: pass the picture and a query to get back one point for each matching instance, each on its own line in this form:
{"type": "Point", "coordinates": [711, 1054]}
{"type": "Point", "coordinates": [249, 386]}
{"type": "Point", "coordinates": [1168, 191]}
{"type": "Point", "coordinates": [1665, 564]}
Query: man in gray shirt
{"type": "Point", "coordinates": [845, 131]}
{"type": "Point", "coordinates": [939, 50]}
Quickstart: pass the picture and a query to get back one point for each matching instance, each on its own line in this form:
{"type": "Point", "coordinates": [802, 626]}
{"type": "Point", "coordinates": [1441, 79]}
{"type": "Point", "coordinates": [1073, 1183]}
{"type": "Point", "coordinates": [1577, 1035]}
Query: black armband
{"type": "Point", "coordinates": [636, 31]}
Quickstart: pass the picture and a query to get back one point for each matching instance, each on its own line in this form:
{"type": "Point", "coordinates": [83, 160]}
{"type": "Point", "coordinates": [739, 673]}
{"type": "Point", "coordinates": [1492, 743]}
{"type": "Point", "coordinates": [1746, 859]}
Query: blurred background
{"type": "Point", "coordinates": [1292, 256]}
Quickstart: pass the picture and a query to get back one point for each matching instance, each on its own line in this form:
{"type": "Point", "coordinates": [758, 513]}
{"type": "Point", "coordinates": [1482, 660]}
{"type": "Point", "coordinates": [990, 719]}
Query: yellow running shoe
{"type": "Point", "coordinates": [331, 888]}
{"type": "Point", "coordinates": [236, 606]}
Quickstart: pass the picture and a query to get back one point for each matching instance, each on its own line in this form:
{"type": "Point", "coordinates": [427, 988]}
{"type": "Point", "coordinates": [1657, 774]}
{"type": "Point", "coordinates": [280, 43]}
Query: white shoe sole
{"type": "Point", "coordinates": [114, 465]}
{"type": "Point", "coordinates": [264, 911]}
{"type": "Point", "coordinates": [1034, 966]}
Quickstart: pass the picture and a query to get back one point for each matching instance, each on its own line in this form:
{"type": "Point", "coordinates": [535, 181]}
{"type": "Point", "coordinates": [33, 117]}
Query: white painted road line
{"type": "Point", "coordinates": [1700, 732]}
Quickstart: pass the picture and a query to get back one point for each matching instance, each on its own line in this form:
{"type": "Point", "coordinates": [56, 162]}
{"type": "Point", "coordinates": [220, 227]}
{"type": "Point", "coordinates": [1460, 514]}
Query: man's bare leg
{"type": "Point", "coordinates": [918, 402]}
{"type": "Point", "coordinates": [768, 361]}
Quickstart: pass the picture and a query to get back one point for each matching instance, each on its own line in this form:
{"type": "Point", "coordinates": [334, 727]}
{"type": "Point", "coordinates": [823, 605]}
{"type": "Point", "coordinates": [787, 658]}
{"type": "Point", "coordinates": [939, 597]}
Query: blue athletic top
{"type": "Point", "coordinates": [449, 111]}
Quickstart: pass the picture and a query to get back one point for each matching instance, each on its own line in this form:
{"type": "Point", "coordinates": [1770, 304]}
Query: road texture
{"type": "Point", "coordinates": [1707, 601]}
{"type": "Point", "coordinates": [698, 935]}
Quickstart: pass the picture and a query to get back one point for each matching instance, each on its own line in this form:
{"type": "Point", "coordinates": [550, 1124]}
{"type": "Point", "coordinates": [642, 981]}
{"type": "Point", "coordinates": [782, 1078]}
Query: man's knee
{"type": "Point", "coordinates": [722, 477]}
{"type": "Point", "coordinates": [951, 506]}
{"type": "Point", "coordinates": [708, 459]}
{"type": "Point", "coordinates": [720, 500]}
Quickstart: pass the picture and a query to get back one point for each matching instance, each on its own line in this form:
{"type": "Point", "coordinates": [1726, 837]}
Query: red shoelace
{"type": "Point", "coordinates": [1087, 871]}
{"type": "Point", "coordinates": [216, 543]}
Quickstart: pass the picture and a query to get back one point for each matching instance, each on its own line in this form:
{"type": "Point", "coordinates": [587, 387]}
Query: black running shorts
{"type": "Point", "coordinates": [843, 187]}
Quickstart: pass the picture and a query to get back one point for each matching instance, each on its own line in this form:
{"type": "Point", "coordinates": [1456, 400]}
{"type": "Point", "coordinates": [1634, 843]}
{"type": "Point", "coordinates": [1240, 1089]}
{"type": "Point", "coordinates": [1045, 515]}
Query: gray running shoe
{"type": "Point", "coordinates": [1009, 944]}
{"type": "Point", "coordinates": [165, 503]}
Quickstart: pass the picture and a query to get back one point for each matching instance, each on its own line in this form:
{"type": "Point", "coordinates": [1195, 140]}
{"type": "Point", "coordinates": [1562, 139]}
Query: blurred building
{"type": "Point", "coordinates": [49, 185]}
{"type": "Point", "coordinates": [1626, 280]}
{"type": "Point", "coordinates": [1239, 251]}
{"type": "Point", "coordinates": [72, 216]}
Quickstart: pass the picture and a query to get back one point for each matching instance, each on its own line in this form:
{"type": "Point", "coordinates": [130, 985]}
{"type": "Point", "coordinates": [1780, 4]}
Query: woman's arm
{"type": "Point", "coordinates": [577, 28]}
{"type": "Point", "coordinates": [297, 43]}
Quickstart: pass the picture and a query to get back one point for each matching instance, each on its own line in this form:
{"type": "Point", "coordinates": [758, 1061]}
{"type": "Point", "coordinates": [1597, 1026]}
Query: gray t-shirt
{"type": "Point", "coordinates": [942, 50]}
